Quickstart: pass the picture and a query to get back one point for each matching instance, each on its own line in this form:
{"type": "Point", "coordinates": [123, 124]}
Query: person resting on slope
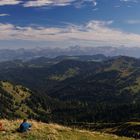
{"type": "Point", "coordinates": [24, 126]}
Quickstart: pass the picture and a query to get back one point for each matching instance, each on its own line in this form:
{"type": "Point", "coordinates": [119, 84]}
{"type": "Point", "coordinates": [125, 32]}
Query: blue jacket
{"type": "Point", "coordinates": [24, 127]}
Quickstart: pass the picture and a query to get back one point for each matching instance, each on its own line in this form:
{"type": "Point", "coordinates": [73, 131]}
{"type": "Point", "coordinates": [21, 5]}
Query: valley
{"type": "Point", "coordinates": [69, 91]}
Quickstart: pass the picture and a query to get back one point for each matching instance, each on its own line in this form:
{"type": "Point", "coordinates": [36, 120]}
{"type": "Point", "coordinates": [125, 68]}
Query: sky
{"type": "Point", "coordinates": [64, 23]}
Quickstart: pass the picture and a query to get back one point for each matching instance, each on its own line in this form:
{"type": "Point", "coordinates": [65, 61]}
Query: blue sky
{"type": "Point", "coordinates": [63, 23]}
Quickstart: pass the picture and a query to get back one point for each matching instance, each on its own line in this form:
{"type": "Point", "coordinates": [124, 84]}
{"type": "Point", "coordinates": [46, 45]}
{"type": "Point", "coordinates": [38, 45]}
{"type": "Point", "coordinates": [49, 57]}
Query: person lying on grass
{"type": "Point", "coordinates": [24, 126]}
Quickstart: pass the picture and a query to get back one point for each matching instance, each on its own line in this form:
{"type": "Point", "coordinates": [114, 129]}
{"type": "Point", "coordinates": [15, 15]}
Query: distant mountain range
{"type": "Point", "coordinates": [27, 54]}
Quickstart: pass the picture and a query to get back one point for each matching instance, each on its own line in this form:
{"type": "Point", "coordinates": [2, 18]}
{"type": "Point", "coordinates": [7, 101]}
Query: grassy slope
{"type": "Point", "coordinates": [19, 94]}
{"type": "Point", "coordinates": [42, 131]}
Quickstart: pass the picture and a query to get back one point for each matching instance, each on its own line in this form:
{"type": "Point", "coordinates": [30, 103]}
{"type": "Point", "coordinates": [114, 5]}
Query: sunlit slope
{"type": "Point", "coordinates": [43, 131]}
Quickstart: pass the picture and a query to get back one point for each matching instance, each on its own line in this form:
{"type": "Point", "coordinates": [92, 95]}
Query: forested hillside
{"type": "Point", "coordinates": [66, 90]}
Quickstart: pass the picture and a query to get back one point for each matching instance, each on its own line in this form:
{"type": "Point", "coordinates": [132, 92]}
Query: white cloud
{"type": "Point", "coordinates": [133, 21]}
{"type": "Point", "coordinates": [3, 15]}
{"type": "Point", "coordinates": [93, 31]}
{"type": "Point", "coordinates": [81, 3]}
{"type": "Point", "coordinates": [129, 1]}
{"type": "Point", "coordinates": [9, 2]}
{"type": "Point", "coordinates": [40, 3]}
{"type": "Point", "coordinates": [93, 1]}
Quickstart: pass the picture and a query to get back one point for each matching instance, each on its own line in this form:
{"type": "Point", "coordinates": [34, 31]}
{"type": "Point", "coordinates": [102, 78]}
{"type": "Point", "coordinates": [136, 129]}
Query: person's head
{"type": "Point", "coordinates": [25, 120]}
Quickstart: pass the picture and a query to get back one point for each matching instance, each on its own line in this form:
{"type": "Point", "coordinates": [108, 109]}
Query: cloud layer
{"type": "Point", "coordinates": [93, 31]}
{"type": "Point", "coordinates": [129, 1]}
{"type": "Point", "coordinates": [40, 3]}
{"type": "Point", "coordinates": [9, 2]}
{"type": "Point", "coordinates": [3, 15]}
{"type": "Point", "coordinates": [133, 21]}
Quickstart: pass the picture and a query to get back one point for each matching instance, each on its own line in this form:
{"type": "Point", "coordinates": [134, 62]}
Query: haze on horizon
{"type": "Point", "coordinates": [63, 23]}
